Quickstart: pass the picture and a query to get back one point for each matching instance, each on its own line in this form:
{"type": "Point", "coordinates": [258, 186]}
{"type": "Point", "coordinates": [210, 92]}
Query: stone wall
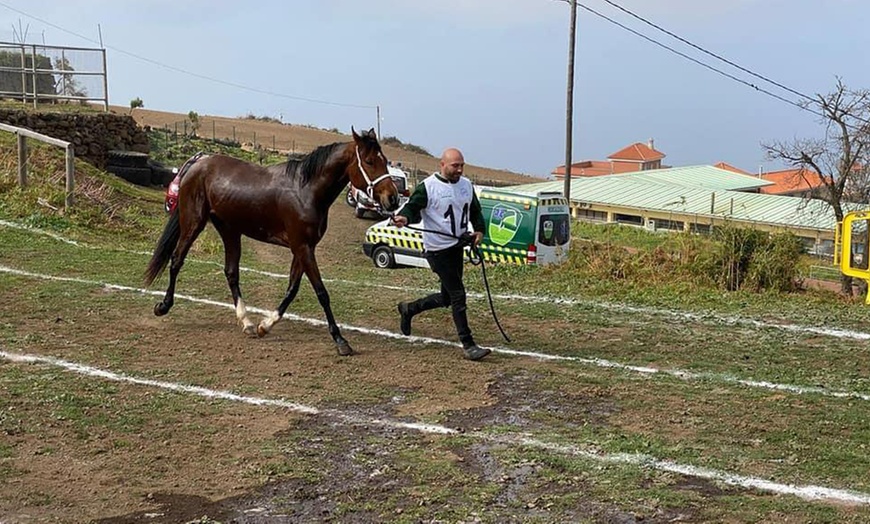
{"type": "Point", "coordinates": [92, 134]}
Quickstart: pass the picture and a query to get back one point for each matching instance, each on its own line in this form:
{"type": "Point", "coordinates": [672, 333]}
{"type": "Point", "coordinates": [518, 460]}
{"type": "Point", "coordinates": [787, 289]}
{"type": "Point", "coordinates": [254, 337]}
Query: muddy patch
{"type": "Point", "coordinates": [525, 402]}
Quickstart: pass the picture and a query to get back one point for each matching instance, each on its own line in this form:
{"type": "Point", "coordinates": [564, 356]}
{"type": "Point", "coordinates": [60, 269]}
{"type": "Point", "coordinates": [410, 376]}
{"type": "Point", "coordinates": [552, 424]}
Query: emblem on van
{"type": "Point", "coordinates": [548, 229]}
{"type": "Point", "coordinates": [503, 224]}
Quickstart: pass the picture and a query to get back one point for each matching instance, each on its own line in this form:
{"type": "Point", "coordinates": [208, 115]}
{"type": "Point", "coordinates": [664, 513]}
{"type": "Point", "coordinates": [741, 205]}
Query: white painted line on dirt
{"type": "Point", "coordinates": [642, 460]}
{"type": "Point", "coordinates": [211, 393]}
{"type": "Point", "coordinates": [806, 492]}
{"type": "Point", "coordinates": [596, 362]}
{"type": "Point", "coordinates": [593, 304]}
{"type": "Point", "coordinates": [697, 317]}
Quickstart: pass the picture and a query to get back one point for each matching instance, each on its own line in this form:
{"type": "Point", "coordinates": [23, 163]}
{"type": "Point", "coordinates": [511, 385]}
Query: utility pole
{"type": "Point", "coordinates": [569, 119]}
{"type": "Point", "coordinates": [378, 107]}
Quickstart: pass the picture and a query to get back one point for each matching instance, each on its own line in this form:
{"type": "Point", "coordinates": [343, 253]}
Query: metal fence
{"type": "Point", "coordinates": [42, 73]}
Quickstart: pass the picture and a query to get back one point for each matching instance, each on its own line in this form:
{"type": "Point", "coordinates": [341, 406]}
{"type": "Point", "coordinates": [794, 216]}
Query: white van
{"type": "Point", "coordinates": [362, 204]}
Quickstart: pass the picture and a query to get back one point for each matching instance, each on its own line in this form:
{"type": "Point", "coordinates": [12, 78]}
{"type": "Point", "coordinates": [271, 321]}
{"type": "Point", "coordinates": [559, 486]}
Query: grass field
{"type": "Point", "coordinates": [616, 401]}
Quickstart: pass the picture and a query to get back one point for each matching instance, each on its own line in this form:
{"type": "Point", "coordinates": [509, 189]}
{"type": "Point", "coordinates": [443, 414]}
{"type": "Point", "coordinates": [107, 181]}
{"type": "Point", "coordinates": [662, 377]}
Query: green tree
{"type": "Point", "coordinates": [193, 116]}
{"type": "Point", "coordinates": [136, 102]}
{"type": "Point", "coordinates": [10, 79]}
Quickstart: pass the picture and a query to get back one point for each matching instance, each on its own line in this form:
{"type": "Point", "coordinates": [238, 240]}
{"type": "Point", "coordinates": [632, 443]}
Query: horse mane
{"type": "Point", "coordinates": [307, 167]}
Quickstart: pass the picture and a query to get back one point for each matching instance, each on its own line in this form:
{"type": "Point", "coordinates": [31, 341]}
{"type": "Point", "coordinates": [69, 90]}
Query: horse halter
{"type": "Point", "coordinates": [371, 183]}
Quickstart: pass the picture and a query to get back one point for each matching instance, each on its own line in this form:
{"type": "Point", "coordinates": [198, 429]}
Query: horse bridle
{"type": "Point", "coordinates": [371, 183]}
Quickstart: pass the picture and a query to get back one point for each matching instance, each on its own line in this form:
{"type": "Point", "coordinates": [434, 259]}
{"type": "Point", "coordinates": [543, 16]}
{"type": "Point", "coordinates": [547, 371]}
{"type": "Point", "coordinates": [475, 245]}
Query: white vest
{"type": "Point", "coordinates": [448, 210]}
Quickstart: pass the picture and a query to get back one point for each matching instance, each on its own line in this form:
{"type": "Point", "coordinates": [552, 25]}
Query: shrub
{"type": "Point", "coordinates": [734, 258]}
{"type": "Point", "coordinates": [774, 264]}
{"type": "Point", "coordinates": [736, 246]}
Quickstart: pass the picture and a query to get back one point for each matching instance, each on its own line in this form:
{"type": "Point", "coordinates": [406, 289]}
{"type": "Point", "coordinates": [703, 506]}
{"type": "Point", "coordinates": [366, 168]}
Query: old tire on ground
{"type": "Point", "coordinates": [160, 174]}
{"type": "Point", "coordinates": [117, 157]}
{"type": "Point", "coordinates": [141, 176]}
{"type": "Point", "coordinates": [349, 199]}
{"type": "Point", "coordinates": [359, 212]}
{"type": "Point", "coordinates": [383, 257]}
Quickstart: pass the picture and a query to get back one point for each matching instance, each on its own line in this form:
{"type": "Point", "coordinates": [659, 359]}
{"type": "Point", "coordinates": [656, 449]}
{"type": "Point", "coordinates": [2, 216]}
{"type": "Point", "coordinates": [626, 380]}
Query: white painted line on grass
{"type": "Point", "coordinates": [592, 304]}
{"type": "Point", "coordinates": [59, 238]}
{"type": "Point", "coordinates": [809, 492]}
{"type": "Point", "coordinates": [596, 362]}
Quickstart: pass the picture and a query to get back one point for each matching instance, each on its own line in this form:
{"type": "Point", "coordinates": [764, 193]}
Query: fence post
{"type": "Point", "coordinates": [105, 83]}
{"type": "Point", "coordinates": [213, 135]}
{"type": "Point", "coordinates": [234, 133]}
{"type": "Point", "coordinates": [255, 140]}
{"type": "Point", "coordinates": [23, 75]}
{"type": "Point", "coordinates": [33, 63]}
{"type": "Point", "coordinates": [70, 177]}
{"type": "Point", "coordinates": [273, 144]}
{"type": "Point", "coordinates": [22, 160]}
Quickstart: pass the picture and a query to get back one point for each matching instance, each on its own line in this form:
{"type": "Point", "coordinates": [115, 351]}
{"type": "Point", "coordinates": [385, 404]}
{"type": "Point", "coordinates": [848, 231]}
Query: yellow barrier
{"type": "Point", "coordinates": [854, 264]}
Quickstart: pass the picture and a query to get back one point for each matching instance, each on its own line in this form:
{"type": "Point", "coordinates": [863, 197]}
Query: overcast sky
{"type": "Point", "coordinates": [487, 76]}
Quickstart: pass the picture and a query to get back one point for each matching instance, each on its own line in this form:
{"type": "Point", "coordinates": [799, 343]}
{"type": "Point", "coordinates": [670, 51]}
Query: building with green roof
{"type": "Point", "coordinates": [695, 198]}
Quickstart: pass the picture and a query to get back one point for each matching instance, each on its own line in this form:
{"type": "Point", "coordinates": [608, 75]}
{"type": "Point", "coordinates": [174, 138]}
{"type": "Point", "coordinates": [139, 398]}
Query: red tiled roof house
{"type": "Point", "coordinates": [636, 157]}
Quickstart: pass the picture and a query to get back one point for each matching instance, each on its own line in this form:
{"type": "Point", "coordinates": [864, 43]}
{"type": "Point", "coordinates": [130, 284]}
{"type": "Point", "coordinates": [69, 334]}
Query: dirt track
{"type": "Point", "coordinates": [88, 448]}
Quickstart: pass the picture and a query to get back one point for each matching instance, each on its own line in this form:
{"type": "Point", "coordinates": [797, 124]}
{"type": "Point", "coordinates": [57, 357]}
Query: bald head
{"type": "Point", "coordinates": [452, 164]}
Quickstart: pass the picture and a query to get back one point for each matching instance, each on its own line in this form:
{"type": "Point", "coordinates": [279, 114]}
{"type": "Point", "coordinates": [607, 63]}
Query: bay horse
{"type": "Point", "coordinates": [284, 204]}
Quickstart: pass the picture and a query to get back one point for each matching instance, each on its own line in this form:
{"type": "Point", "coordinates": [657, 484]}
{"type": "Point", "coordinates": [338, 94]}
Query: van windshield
{"type": "Point", "coordinates": [554, 230]}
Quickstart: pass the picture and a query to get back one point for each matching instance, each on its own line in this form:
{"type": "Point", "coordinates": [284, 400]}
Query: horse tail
{"type": "Point", "coordinates": [165, 247]}
{"type": "Point", "coordinates": [171, 234]}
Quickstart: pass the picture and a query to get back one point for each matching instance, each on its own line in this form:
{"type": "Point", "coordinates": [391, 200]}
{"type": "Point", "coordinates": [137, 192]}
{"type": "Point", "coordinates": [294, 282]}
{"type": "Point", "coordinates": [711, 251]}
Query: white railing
{"type": "Point", "coordinates": [22, 136]}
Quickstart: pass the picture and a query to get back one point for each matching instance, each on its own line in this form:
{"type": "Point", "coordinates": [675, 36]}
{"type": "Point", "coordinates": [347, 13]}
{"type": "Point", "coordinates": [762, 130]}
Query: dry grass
{"type": "Point", "coordinates": [301, 139]}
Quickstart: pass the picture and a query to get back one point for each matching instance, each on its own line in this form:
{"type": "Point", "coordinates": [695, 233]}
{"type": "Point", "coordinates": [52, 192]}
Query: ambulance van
{"type": "Point", "coordinates": [520, 229]}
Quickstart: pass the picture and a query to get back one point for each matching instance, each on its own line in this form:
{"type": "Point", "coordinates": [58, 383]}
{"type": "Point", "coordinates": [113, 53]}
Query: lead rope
{"type": "Point", "coordinates": [475, 256]}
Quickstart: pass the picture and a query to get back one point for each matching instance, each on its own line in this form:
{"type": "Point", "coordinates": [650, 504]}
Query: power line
{"type": "Point", "coordinates": [803, 107]}
{"type": "Point", "coordinates": [190, 73]}
{"type": "Point", "coordinates": [699, 62]}
{"type": "Point", "coordinates": [710, 53]}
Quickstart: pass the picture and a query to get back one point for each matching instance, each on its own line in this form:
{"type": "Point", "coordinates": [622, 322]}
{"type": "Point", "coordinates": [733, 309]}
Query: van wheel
{"type": "Point", "coordinates": [359, 212]}
{"type": "Point", "coordinates": [383, 258]}
{"type": "Point", "coordinates": [349, 199]}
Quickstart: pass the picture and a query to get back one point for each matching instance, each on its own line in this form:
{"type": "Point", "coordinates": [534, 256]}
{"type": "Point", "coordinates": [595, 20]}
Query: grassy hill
{"type": "Point", "coordinates": [302, 139]}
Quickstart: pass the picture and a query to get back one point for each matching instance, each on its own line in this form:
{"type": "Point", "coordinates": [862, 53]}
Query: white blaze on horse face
{"type": "Point", "coordinates": [242, 315]}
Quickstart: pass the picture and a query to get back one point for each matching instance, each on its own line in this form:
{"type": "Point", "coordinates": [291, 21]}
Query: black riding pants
{"type": "Point", "coordinates": [448, 264]}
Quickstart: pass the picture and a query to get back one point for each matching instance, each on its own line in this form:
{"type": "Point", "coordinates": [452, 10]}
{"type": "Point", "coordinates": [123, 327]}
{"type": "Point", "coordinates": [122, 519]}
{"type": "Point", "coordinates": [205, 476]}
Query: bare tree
{"type": "Point", "coordinates": [837, 159]}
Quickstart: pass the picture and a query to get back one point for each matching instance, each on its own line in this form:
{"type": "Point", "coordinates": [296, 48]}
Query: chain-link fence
{"type": "Point", "coordinates": [35, 74]}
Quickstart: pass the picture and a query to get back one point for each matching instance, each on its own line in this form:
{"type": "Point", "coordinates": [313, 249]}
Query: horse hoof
{"type": "Point", "coordinates": [160, 309]}
{"type": "Point", "coordinates": [345, 350]}
{"type": "Point", "coordinates": [261, 331]}
{"type": "Point", "coordinates": [250, 330]}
